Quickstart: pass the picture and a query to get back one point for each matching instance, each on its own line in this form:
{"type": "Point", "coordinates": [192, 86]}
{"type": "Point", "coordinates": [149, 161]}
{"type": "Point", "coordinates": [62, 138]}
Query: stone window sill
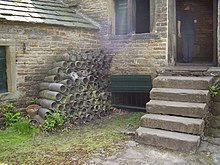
{"type": "Point", "coordinates": [133, 36]}
{"type": "Point", "coordinates": [10, 95]}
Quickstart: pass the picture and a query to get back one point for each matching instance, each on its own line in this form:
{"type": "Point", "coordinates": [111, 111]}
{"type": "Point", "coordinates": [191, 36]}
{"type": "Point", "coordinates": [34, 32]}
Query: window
{"type": "Point", "coordinates": [142, 16]}
{"type": "Point", "coordinates": [3, 80]}
{"type": "Point", "coordinates": [132, 16]}
{"type": "Point", "coordinates": [8, 87]}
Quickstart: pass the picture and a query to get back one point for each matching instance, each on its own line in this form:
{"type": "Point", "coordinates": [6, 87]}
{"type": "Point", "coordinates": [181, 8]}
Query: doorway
{"type": "Point", "coordinates": [205, 46]}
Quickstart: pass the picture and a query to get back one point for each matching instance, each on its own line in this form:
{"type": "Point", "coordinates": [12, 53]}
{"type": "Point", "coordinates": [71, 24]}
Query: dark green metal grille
{"type": "Point", "coordinates": [130, 91]}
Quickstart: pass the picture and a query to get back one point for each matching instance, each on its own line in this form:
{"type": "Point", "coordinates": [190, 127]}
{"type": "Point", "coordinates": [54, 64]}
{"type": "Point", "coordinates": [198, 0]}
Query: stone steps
{"type": "Point", "coordinates": [187, 109]}
{"type": "Point", "coordinates": [168, 139]}
{"type": "Point", "coordinates": [177, 108]}
{"type": "Point", "coordinates": [182, 82]}
{"type": "Point", "coordinates": [182, 95]}
{"type": "Point", "coordinates": [173, 123]}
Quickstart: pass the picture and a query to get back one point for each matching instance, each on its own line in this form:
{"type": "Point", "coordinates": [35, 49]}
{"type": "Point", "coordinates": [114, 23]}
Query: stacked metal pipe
{"type": "Point", "coordinates": [77, 85]}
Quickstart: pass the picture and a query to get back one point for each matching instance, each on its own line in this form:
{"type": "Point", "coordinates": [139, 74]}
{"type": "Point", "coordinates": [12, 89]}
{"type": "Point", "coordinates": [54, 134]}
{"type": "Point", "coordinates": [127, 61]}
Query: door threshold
{"type": "Point", "coordinates": [188, 67]}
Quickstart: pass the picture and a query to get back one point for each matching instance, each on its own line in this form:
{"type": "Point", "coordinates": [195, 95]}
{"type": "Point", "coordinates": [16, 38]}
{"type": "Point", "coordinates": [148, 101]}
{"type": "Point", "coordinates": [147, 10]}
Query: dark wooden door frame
{"type": "Point", "coordinates": [172, 46]}
{"type": "Point", "coordinates": [215, 28]}
{"type": "Point", "coordinates": [172, 32]}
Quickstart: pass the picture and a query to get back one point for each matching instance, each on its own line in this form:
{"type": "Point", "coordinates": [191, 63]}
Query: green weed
{"type": "Point", "coordinates": [75, 146]}
{"type": "Point", "coordinates": [34, 100]}
{"type": "Point", "coordinates": [11, 118]}
{"type": "Point", "coordinates": [214, 90]}
{"type": "Point", "coordinates": [53, 120]}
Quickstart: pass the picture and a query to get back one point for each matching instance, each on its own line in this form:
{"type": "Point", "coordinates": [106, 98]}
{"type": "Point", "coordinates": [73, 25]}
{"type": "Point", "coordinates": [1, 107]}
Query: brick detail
{"type": "Point", "coordinates": [43, 44]}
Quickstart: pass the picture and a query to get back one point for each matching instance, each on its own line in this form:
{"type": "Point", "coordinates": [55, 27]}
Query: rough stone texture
{"type": "Point", "coordinates": [197, 110]}
{"type": "Point", "coordinates": [213, 132]}
{"type": "Point", "coordinates": [182, 82]}
{"type": "Point", "coordinates": [148, 155]}
{"type": "Point", "coordinates": [172, 96]}
{"type": "Point", "coordinates": [102, 12]}
{"type": "Point", "coordinates": [203, 146]}
{"type": "Point", "coordinates": [215, 141]}
{"type": "Point", "coordinates": [133, 53]}
{"type": "Point", "coordinates": [173, 123]}
{"type": "Point", "coordinates": [216, 99]}
{"type": "Point", "coordinates": [215, 122]}
{"type": "Point", "coordinates": [215, 108]}
{"type": "Point", "coordinates": [184, 95]}
{"type": "Point", "coordinates": [212, 127]}
{"type": "Point", "coordinates": [171, 140]}
{"type": "Point", "coordinates": [214, 69]}
{"type": "Point", "coordinates": [43, 44]}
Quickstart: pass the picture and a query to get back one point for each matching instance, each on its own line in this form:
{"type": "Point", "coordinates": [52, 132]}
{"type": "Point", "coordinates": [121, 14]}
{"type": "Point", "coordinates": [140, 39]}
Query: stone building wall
{"type": "Point", "coordinates": [100, 12]}
{"type": "Point", "coordinates": [146, 57]}
{"type": "Point", "coordinates": [132, 53]}
{"type": "Point", "coordinates": [213, 125]}
{"type": "Point", "coordinates": [43, 44]}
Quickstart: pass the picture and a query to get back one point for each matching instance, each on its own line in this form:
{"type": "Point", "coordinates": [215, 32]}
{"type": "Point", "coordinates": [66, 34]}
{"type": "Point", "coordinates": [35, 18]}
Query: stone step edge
{"type": "Point", "coordinates": [175, 108]}
{"type": "Point", "coordinates": [181, 95]}
{"type": "Point", "coordinates": [160, 138]}
{"type": "Point", "coordinates": [203, 78]}
{"type": "Point", "coordinates": [173, 123]}
{"type": "Point", "coordinates": [177, 104]}
{"type": "Point", "coordinates": [178, 90]}
{"type": "Point", "coordinates": [182, 82]}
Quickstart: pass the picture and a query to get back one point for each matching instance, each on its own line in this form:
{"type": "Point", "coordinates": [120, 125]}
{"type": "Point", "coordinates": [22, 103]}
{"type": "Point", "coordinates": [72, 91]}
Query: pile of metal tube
{"type": "Point", "coordinates": [78, 86]}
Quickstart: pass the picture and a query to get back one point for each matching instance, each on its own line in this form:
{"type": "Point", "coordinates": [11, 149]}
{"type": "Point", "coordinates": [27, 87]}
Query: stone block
{"type": "Point", "coordinates": [213, 132]}
{"type": "Point", "coordinates": [173, 123]}
{"type": "Point", "coordinates": [215, 122]}
{"type": "Point", "coordinates": [183, 95]}
{"type": "Point", "coordinates": [217, 97]}
{"type": "Point", "coordinates": [2, 121]}
{"type": "Point", "coordinates": [197, 110]}
{"type": "Point", "coordinates": [215, 107]}
{"type": "Point", "coordinates": [182, 82]}
{"type": "Point", "coordinates": [167, 139]}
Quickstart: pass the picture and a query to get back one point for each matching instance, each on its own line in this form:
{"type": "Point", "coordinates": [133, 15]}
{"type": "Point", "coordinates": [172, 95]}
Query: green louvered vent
{"type": "Point", "coordinates": [130, 91]}
{"type": "Point", "coordinates": [3, 77]}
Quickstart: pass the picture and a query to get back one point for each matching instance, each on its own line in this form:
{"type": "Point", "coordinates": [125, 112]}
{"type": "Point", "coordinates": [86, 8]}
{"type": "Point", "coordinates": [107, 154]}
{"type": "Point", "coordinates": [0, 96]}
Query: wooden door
{"type": "Point", "coordinates": [204, 51]}
{"type": "Point", "coordinates": [3, 77]}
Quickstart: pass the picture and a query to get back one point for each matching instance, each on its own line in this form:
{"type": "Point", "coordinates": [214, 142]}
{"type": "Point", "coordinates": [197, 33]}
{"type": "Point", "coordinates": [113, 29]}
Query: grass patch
{"type": "Point", "coordinates": [74, 146]}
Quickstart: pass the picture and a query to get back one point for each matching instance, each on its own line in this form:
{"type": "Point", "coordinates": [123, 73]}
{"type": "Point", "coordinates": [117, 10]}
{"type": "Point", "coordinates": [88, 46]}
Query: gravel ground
{"type": "Point", "coordinates": [137, 154]}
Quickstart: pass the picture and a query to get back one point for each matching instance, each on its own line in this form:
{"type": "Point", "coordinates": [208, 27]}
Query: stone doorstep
{"type": "Point", "coordinates": [167, 139]}
{"type": "Point", "coordinates": [198, 110]}
{"type": "Point", "coordinates": [173, 123]}
{"type": "Point", "coordinates": [187, 68]}
{"type": "Point", "coordinates": [182, 82]}
{"type": "Point", "coordinates": [183, 95]}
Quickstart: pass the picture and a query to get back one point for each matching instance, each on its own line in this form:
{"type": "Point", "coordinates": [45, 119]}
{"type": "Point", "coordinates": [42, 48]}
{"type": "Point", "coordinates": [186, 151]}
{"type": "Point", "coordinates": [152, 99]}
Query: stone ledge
{"type": "Point", "coordinates": [167, 139]}
{"type": "Point", "coordinates": [173, 123]}
{"type": "Point", "coordinates": [133, 36]}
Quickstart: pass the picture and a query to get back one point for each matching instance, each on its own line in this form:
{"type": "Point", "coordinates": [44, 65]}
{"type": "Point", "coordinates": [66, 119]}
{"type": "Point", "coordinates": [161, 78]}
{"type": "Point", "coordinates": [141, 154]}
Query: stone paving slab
{"type": "Point", "coordinates": [136, 154]}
